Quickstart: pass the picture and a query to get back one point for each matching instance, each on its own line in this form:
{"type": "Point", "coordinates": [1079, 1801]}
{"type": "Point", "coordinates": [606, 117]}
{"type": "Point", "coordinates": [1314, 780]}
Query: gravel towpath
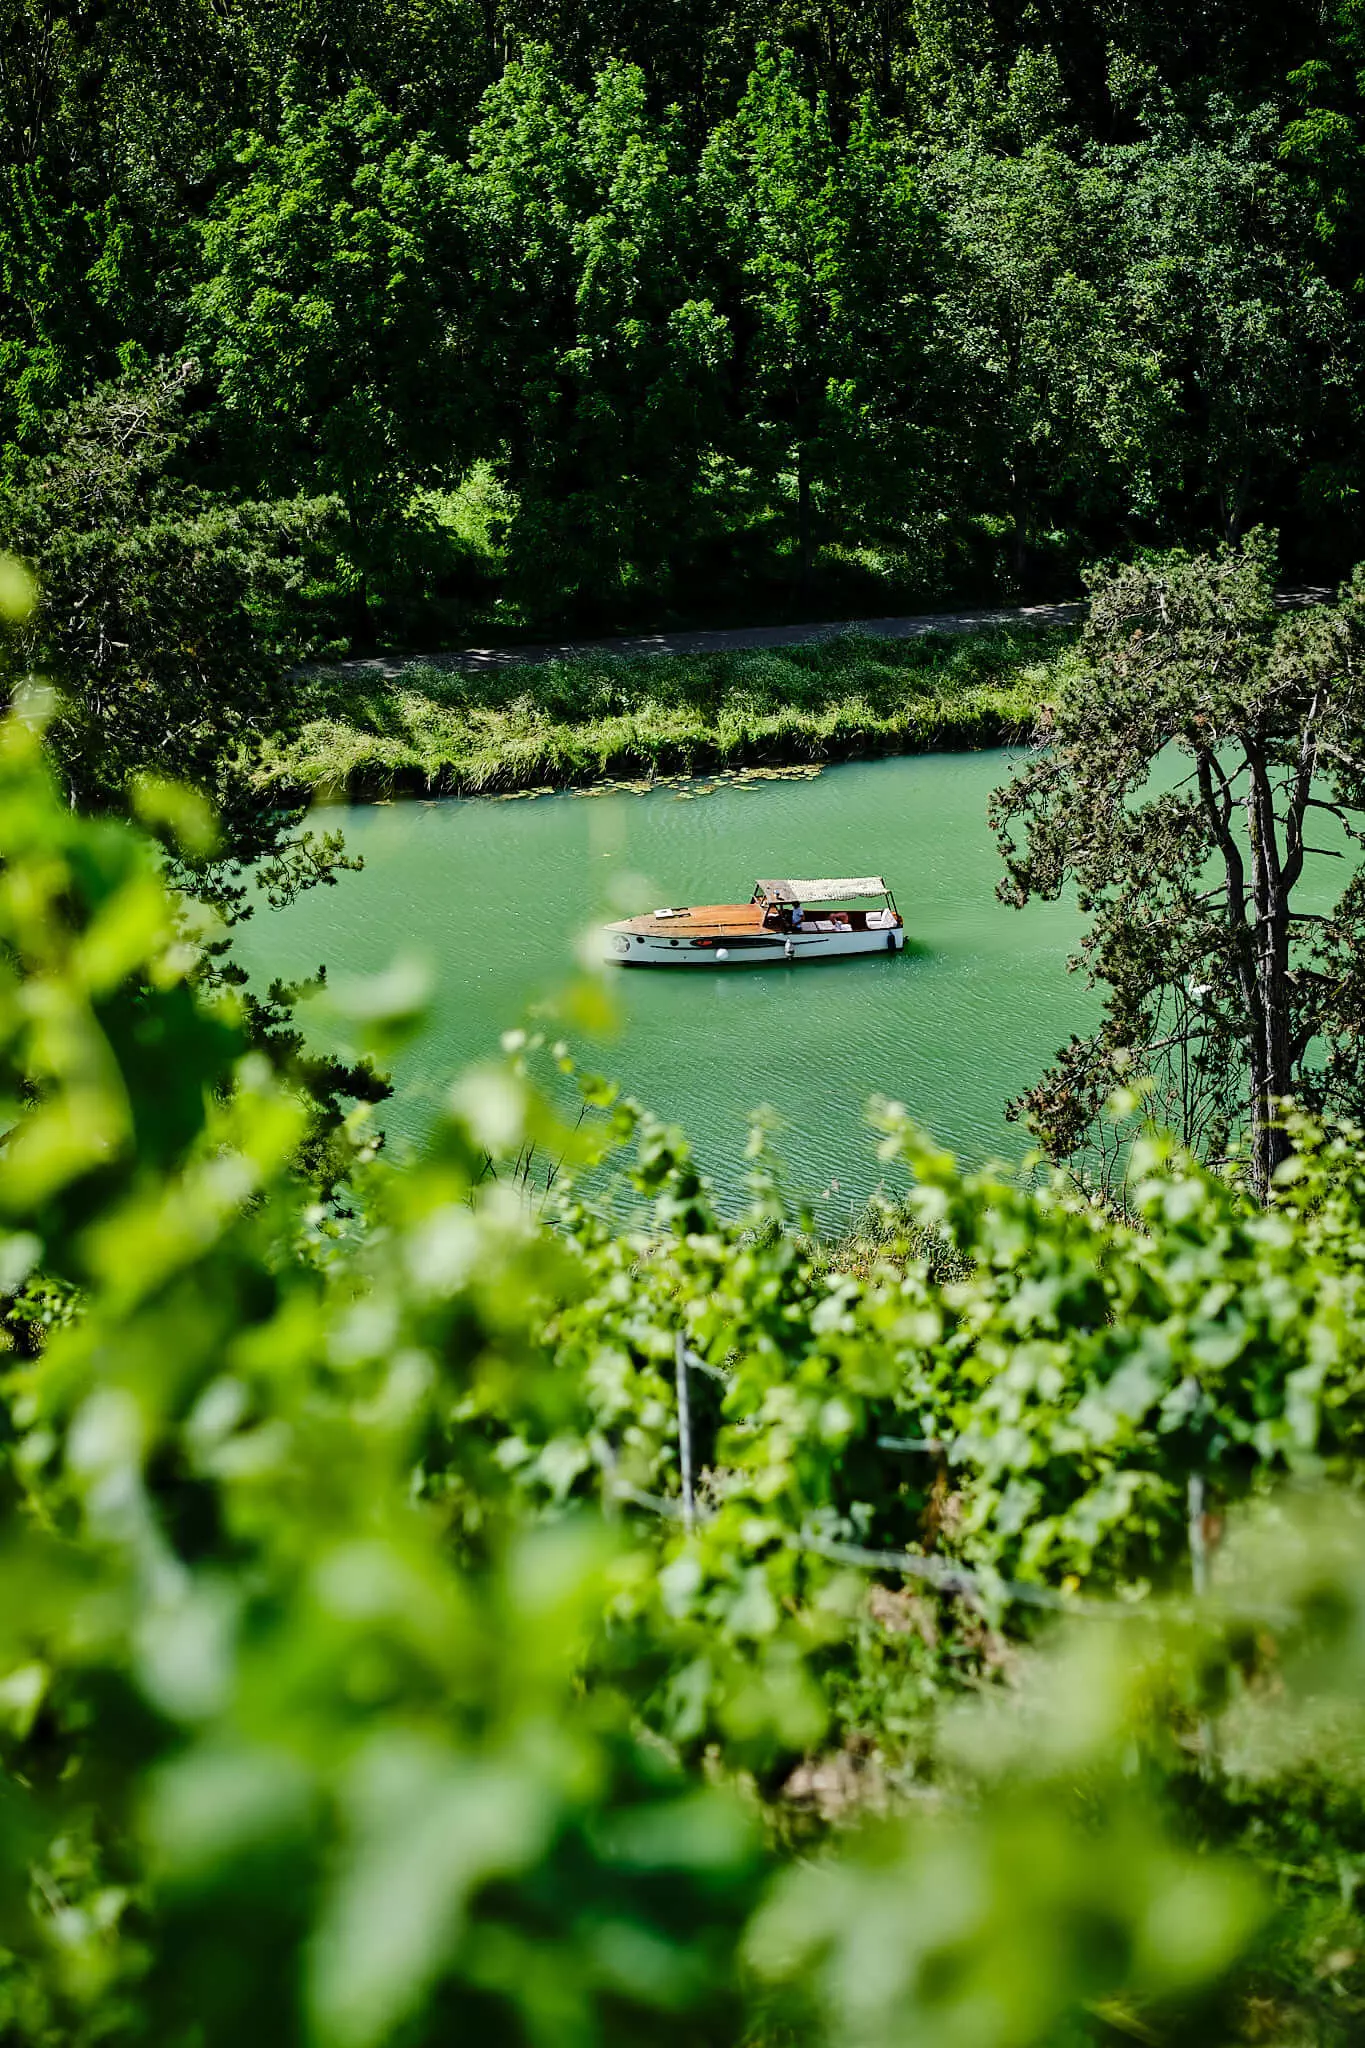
{"type": "Point", "coordinates": [726, 641]}
{"type": "Point", "coordinates": [731, 639]}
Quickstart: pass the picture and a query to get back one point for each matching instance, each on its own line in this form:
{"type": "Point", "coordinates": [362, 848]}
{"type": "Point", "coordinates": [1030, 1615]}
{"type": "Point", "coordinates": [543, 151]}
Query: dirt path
{"type": "Point", "coordinates": [725, 641]}
{"type": "Point", "coordinates": [730, 639]}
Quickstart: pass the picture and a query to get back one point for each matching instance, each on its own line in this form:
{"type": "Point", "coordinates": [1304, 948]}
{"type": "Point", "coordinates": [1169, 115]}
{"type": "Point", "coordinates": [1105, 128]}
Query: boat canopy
{"type": "Point", "coordinates": [825, 889]}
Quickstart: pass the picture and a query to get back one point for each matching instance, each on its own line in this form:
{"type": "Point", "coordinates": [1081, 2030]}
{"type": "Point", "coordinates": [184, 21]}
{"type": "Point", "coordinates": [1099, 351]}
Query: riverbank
{"type": "Point", "coordinates": [433, 731]}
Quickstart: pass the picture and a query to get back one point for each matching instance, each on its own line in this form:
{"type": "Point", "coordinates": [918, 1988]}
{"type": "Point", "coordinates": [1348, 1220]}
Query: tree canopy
{"type": "Point", "coordinates": [608, 315]}
{"type": "Point", "coordinates": [1203, 748]}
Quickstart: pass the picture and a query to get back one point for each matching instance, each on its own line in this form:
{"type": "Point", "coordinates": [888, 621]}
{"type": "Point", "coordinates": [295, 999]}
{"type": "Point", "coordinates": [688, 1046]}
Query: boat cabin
{"type": "Point", "coordinates": [798, 905]}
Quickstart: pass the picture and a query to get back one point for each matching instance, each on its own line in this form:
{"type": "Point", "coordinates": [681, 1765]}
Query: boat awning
{"type": "Point", "coordinates": [824, 889]}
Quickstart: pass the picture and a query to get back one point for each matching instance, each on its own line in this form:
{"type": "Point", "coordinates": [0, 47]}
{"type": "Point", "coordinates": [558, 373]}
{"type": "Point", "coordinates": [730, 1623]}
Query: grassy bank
{"type": "Point", "coordinates": [570, 723]}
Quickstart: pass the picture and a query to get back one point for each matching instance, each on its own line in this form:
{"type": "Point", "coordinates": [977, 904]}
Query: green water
{"type": "Point", "coordinates": [496, 897]}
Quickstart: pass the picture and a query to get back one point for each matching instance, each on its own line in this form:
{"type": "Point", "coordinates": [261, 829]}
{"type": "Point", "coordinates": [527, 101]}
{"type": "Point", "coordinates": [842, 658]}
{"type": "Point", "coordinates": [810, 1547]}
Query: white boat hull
{"type": "Point", "coordinates": [794, 949]}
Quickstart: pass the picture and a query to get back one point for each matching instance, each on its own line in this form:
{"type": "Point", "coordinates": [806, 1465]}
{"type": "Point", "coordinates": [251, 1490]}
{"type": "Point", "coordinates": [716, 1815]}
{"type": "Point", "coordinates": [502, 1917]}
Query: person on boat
{"type": "Point", "coordinates": [796, 917]}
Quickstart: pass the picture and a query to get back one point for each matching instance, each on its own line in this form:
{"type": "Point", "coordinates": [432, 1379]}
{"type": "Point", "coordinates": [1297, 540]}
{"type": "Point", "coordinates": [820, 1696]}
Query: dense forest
{"type": "Point", "coordinates": [398, 318]}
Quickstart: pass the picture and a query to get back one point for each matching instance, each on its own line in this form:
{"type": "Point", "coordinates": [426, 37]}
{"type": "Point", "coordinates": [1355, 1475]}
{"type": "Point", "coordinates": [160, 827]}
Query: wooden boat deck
{"type": "Point", "coordinates": [718, 918]}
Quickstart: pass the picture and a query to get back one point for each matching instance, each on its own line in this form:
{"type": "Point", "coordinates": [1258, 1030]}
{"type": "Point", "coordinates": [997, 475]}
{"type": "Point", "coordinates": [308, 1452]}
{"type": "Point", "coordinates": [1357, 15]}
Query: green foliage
{"type": "Point", "coordinates": [738, 310]}
{"type": "Point", "coordinates": [325, 313]}
{"type": "Point", "coordinates": [53, 274]}
{"type": "Point", "coordinates": [351, 1622]}
{"type": "Point", "coordinates": [1136, 326]}
{"type": "Point", "coordinates": [1065, 386]}
{"type": "Point", "coordinates": [152, 624]}
{"type": "Point", "coordinates": [371, 1670]}
{"type": "Point", "coordinates": [602, 365]}
{"type": "Point", "coordinates": [832, 260]}
{"type": "Point", "coordinates": [316, 1741]}
{"type": "Point", "coordinates": [1200, 739]}
{"type": "Point", "coordinates": [575, 721]}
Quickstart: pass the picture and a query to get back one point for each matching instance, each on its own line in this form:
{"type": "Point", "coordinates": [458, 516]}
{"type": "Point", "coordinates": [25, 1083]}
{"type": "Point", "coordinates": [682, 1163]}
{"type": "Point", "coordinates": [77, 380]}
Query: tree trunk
{"type": "Point", "coordinates": [362, 628]}
{"type": "Point", "coordinates": [803, 520]}
{"type": "Point", "coordinates": [1271, 1057]}
{"type": "Point", "coordinates": [1019, 516]}
{"type": "Point", "coordinates": [1258, 922]}
{"type": "Point", "coordinates": [1269, 1085]}
{"type": "Point", "coordinates": [362, 625]}
{"type": "Point", "coordinates": [1234, 502]}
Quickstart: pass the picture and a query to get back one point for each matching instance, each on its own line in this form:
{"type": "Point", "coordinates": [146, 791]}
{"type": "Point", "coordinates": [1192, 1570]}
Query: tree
{"type": "Point", "coordinates": [1064, 397]}
{"type": "Point", "coordinates": [1177, 783]}
{"type": "Point", "coordinates": [602, 356]}
{"type": "Point", "coordinates": [1251, 335]}
{"type": "Point", "coordinates": [829, 247]}
{"type": "Point", "coordinates": [329, 317]}
{"type": "Point", "coordinates": [153, 619]}
{"type": "Point", "coordinates": [1147, 344]}
{"type": "Point", "coordinates": [57, 265]}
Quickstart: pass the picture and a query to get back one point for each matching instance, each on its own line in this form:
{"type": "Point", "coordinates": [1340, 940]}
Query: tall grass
{"type": "Point", "coordinates": [569, 723]}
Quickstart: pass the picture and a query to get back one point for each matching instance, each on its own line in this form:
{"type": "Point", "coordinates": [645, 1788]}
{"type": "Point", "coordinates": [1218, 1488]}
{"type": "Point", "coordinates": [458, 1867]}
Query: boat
{"type": "Point", "coordinates": [792, 921]}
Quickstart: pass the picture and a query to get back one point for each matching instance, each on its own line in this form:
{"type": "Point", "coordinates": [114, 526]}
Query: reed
{"type": "Point", "coordinates": [569, 723]}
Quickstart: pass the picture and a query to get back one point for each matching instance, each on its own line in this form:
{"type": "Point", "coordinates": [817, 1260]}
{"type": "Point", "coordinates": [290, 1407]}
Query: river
{"type": "Point", "coordinates": [496, 896]}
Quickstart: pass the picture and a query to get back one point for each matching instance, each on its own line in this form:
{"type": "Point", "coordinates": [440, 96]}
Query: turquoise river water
{"type": "Point", "coordinates": [495, 899]}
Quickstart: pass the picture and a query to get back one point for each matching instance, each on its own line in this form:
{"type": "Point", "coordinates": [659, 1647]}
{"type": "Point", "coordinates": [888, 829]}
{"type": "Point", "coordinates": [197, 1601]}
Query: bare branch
{"type": "Point", "coordinates": [1322, 803]}
{"type": "Point", "coordinates": [1218, 808]}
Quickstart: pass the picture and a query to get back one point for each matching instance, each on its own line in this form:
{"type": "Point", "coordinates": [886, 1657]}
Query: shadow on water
{"type": "Point", "coordinates": [727, 970]}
